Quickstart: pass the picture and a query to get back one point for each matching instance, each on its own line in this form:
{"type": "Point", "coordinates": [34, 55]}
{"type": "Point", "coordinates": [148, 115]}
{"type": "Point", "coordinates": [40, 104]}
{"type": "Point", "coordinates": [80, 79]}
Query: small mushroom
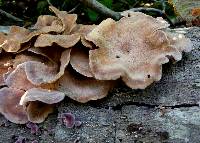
{"type": "Point", "coordinates": [65, 41]}
{"type": "Point", "coordinates": [130, 51]}
{"type": "Point", "coordinates": [68, 20]}
{"type": "Point", "coordinates": [38, 103]}
{"type": "Point", "coordinates": [83, 89]}
{"type": "Point", "coordinates": [79, 59]}
{"type": "Point", "coordinates": [48, 22]}
{"type": "Point", "coordinates": [9, 105]}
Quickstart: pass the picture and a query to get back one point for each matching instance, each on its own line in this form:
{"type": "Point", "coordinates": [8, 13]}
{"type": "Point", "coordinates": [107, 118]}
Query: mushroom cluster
{"type": "Point", "coordinates": [58, 57]}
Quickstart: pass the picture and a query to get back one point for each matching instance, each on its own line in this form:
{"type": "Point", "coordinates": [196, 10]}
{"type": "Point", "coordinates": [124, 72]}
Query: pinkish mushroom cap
{"type": "Point", "coordinates": [18, 79]}
{"type": "Point", "coordinates": [9, 105]}
{"type": "Point", "coordinates": [65, 41]}
{"type": "Point", "coordinates": [38, 103]}
{"type": "Point", "coordinates": [39, 73]}
{"type": "Point", "coordinates": [79, 60]}
{"type": "Point", "coordinates": [83, 30]}
{"type": "Point", "coordinates": [6, 63]}
{"type": "Point", "coordinates": [131, 50]}
{"type": "Point", "coordinates": [52, 53]}
{"type": "Point", "coordinates": [83, 89]}
{"type": "Point", "coordinates": [13, 41]}
{"type": "Point", "coordinates": [68, 20]}
{"type": "Point", "coordinates": [45, 21]}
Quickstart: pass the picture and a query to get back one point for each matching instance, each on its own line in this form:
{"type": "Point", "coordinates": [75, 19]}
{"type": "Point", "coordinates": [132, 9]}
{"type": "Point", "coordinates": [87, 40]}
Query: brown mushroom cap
{"type": "Point", "coordinates": [44, 21]}
{"type": "Point", "coordinates": [128, 50]}
{"type": "Point", "coordinates": [65, 41]}
{"type": "Point", "coordinates": [42, 95]}
{"type": "Point", "coordinates": [83, 30]}
{"type": "Point", "coordinates": [6, 62]}
{"type": "Point", "coordinates": [83, 89]}
{"type": "Point", "coordinates": [12, 42]}
{"type": "Point", "coordinates": [39, 73]}
{"type": "Point", "coordinates": [52, 53]}
{"type": "Point", "coordinates": [37, 111]}
{"type": "Point", "coordinates": [21, 58]}
{"type": "Point", "coordinates": [79, 59]}
{"type": "Point", "coordinates": [38, 103]}
{"type": "Point", "coordinates": [18, 79]}
{"type": "Point", "coordinates": [9, 105]}
{"type": "Point", "coordinates": [68, 20]}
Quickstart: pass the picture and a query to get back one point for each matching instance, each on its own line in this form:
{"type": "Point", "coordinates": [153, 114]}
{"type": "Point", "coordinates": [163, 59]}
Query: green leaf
{"type": "Point", "coordinates": [92, 15]}
{"type": "Point", "coordinates": [107, 3]}
{"type": "Point", "coordinates": [42, 6]}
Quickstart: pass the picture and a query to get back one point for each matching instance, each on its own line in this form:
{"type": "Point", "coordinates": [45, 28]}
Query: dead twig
{"type": "Point", "coordinates": [73, 9]}
{"type": "Point", "coordinates": [95, 5]}
{"type": "Point", "coordinates": [10, 16]}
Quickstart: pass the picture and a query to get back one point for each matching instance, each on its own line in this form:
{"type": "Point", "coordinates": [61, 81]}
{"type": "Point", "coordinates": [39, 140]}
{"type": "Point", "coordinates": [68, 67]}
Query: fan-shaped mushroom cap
{"type": "Point", "coordinates": [9, 105]}
{"type": "Point", "coordinates": [6, 62]}
{"type": "Point", "coordinates": [83, 30]}
{"type": "Point", "coordinates": [18, 79]}
{"type": "Point", "coordinates": [21, 58]}
{"type": "Point", "coordinates": [52, 53]}
{"type": "Point", "coordinates": [79, 60]}
{"type": "Point", "coordinates": [178, 40]}
{"type": "Point", "coordinates": [12, 42]}
{"type": "Point", "coordinates": [83, 89]}
{"type": "Point", "coordinates": [38, 103]}
{"type": "Point", "coordinates": [39, 73]}
{"type": "Point", "coordinates": [65, 41]}
{"type": "Point", "coordinates": [68, 20]}
{"type": "Point", "coordinates": [45, 20]}
{"type": "Point", "coordinates": [130, 49]}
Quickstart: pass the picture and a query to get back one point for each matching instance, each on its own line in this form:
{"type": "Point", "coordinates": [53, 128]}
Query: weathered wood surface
{"type": "Point", "coordinates": [168, 111]}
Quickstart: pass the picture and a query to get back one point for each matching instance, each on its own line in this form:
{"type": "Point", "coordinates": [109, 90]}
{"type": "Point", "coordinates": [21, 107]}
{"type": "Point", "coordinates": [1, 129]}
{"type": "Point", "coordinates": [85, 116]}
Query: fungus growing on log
{"type": "Point", "coordinates": [6, 62]}
{"type": "Point", "coordinates": [83, 30]}
{"type": "Point", "coordinates": [45, 21]}
{"type": "Point", "coordinates": [83, 89]}
{"type": "Point", "coordinates": [68, 20]}
{"type": "Point", "coordinates": [65, 41]}
{"type": "Point", "coordinates": [79, 60]}
{"type": "Point", "coordinates": [13, 41]}
{"type": "Point", "coordinates": [130, 51]}
{"type": "Point", "coordinates": [38, 103]}
{"type": "Point", "coordinates": [9, 105]}
{"type": "Point", "coordinates": [38, 75]}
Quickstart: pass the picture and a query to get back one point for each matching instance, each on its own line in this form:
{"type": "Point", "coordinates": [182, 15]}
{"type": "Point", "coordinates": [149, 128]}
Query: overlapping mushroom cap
{"type": "Point", "coordinates": [83, 89]}
{"type": "Point", "coordinates": [59, 58]}
{"type": "Point", "coordinates": [131, 50]}
{"type": "Point", "coordinates": [38, 103]}
{"type": "Point", "coordinates": [12, 42]}
{"type": "Point", "coordinates": [9, 105]}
